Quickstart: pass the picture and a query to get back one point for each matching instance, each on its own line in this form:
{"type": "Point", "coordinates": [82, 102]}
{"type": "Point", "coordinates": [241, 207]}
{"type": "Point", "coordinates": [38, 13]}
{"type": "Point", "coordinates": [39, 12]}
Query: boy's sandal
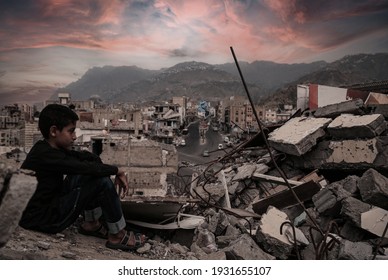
{"type": "Point", "coordinates": [101, 232]}
{"type": "Point", "coordinates": [130, 241]}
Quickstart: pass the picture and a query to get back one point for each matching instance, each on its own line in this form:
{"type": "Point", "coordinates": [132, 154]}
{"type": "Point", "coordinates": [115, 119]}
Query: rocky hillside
{"type": "Point", "coordinates": [105, 81]}
{"type": "Point", "coordinates": [271, 75]}
{"type": "Point", "coordinates": [348, 71]}
{"type": "Point", "coordinates": [202, 80]}
{"type": "Point", "coordinates": [194, 79]}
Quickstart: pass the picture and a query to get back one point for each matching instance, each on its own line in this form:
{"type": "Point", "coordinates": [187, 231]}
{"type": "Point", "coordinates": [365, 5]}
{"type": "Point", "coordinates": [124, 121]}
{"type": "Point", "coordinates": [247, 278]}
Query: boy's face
{"type": "Point", "coordinates": [64, 138]}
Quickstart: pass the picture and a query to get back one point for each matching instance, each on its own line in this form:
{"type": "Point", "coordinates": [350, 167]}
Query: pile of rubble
{"type": "Point", "coordinates": [332, 205]}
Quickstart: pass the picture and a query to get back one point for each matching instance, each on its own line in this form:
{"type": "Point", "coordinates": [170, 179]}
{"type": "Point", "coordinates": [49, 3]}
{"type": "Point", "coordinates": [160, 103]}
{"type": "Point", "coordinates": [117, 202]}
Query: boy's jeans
{"type": "Point", "coordinates": [96, 196]}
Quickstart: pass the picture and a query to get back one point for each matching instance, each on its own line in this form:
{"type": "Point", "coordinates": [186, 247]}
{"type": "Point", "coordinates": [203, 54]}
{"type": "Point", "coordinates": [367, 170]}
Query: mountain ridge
{"type": "Point", "coordinates": [203, 80]}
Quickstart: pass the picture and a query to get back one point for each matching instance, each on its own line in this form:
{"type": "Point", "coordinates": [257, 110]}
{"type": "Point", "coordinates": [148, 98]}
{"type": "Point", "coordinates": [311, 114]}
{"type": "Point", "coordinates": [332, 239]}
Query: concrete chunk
{"type": "Point", "coordinates": [375, 221]}
{"type": "Point", "coordinates": [359, 154]}
{"type": "Point", "coordinates": [352, 209]}
{"type": "Point", "coordinates": [14, 199]}
{"type": "Point", "coordinates": [245, 172]}
{"type": "Point", "coordinates": [269, 235]}
{"type": "Point", "coordinates": [298, 135]}
{"type": "Point", "coordinates": [350, 183]}
{"type": "Point", "coordinates": [374, 188]}
{"type": "Point", "coordinates": [347, 107]}
{"type": "Point", "coordinates": [349, 126]}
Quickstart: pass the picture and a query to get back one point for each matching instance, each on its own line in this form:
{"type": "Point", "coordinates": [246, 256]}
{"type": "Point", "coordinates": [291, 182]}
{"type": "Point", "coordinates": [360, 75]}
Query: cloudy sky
{"type": "Point", "coordinates": [54, 42]}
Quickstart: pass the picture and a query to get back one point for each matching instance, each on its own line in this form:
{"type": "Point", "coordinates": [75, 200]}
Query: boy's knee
{"type": "Point", "coordinates": [107, 183]}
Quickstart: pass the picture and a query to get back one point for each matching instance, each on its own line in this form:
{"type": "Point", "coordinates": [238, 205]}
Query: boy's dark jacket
{"type": "Point", "coordinates": [50, 166]}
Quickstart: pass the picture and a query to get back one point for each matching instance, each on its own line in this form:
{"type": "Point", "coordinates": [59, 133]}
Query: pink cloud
{"type": "Point", "coordinates": [197, 30]}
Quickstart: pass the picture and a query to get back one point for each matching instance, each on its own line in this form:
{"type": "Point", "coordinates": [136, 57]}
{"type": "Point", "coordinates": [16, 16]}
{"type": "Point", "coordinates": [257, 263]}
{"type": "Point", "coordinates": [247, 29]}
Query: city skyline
{"type": "Point", "coordinates": [47, 44]}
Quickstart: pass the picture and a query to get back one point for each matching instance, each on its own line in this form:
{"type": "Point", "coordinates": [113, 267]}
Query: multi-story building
{"type": "Point", "coordinates": [30, 135]}
{"type": "Point", "coordinates": [182, 102]}
{"type": "Point", "coordinates": [167, 122]}
{"type": "Point", "coordinates": [250, 118]}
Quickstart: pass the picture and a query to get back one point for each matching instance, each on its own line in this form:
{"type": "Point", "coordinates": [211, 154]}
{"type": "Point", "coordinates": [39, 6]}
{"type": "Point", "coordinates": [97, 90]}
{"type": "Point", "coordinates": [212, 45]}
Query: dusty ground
{"type": "Point", "coordinates": [69, 244]}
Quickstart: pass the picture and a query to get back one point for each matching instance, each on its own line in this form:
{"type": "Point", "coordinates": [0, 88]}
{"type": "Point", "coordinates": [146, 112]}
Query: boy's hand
{"type": "Point", "coordinates": [122, 182]}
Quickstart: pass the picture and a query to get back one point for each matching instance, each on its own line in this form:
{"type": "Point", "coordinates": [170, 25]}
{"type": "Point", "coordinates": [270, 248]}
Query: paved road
{"type": "Point", "coordinates": [195, 146]}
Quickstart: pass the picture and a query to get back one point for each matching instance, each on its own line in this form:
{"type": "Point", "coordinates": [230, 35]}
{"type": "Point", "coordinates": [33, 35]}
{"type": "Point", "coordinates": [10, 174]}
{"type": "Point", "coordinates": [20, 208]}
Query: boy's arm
{"type": "Point", "coordinates": [47, 159]}
{"type": "Point", "coordinates": [85, 155]}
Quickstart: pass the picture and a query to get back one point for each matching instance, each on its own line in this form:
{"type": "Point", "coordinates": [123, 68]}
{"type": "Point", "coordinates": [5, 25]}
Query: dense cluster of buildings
{"type": "Point", "coordinates": [160, 121]}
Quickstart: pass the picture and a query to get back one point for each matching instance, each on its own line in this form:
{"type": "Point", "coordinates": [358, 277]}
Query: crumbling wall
{"type": "Point", "coordinates": [146, 162]}
{"type": "Point", "coordinates": [145, 156]}
{"type": "Point", "coordinates": [146, 182]}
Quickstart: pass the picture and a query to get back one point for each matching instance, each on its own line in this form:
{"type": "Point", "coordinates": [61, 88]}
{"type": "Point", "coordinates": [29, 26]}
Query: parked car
{"type": "Point", "coordinates": [226, 139]}
{"type": "Point", "coordinates": [183, 142]}
{"type": "Point", "coordinates": [229, 144]}
{"type": "Point", "coordinates": [220, 146]}
{"type": "Point", "coordinates": [205, 153]}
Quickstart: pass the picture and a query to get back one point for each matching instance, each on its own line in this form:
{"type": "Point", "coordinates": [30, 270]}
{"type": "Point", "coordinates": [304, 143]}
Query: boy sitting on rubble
{"type": "Point", "coordinates": [58, 200]}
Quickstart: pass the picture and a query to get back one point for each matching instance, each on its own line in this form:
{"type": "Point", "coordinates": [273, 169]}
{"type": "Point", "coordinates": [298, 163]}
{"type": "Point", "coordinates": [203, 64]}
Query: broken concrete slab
{"type": "Point", "coordinates": [355, 107]}
{"type": "Point", "coordinates": [350, 183]}
{"type": "Point", "coordinates": [352, 209]}
{"type": "Point", "coordinates": [205, 240]}
{"type": "Point", "coordinates": [212, 192]}
{"type": "Point", "coordinates": [349, 126]}
{"type": "Point", "coordinates": [14, 196]}
{"type": "Point", "coordinates": [244, 172]}
{"type": "Point", "coordinates": [269, 236]}
{"type": "Point", "coordinates": [359, 154]}
{"type": "Point", "coordinates": [374, 188]}
{"type": "Point", "coordinates": [375, 221]}
{"type": "Point", "coordinates": [218, 223]}
{"type": "Point", "coordinates": [298, 135]}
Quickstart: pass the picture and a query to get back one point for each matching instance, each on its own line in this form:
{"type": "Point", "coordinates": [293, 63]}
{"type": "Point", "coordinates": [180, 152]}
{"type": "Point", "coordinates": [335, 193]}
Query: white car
{"type": "Point", "coordinates": [183, 142]}
{"type": "Point", "coordinates": [220, 146]}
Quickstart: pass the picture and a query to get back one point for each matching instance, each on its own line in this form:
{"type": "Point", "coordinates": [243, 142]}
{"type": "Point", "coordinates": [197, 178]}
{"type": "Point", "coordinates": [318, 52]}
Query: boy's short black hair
{"type": "Point", "coordinates": [55, 114]}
